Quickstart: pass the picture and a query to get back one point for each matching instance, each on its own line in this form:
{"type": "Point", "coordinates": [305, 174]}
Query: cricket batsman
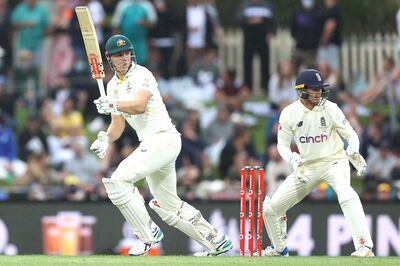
{"type": "Point", "coordinates": [133, 96]}
{"type": "Point", "coordinates": [317, 127]}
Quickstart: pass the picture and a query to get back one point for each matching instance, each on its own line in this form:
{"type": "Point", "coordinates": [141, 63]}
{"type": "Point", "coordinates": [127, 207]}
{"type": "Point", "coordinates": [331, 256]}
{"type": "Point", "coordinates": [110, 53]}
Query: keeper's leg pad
{"type": "Point", "coordinates": [276, 225]}
{"type": "Point", "coordinates": [354, 213]}
{"type": "Point", "coordinates": [190, 221]}
{"type": "Point", "coordinates": [131, 204]}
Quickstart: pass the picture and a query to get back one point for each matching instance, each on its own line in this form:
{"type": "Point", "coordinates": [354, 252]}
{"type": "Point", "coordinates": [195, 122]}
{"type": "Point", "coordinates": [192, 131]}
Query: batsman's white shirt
{"type": "Point", "coordinates": [160, 142]}
{"type": "Point", "coordinates": [317, 133]}
{"type": "Point", "coordinates": [155, 119]}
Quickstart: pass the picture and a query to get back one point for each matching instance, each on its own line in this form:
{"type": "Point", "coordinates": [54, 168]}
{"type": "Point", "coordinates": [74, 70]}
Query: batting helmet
{"type": "Point", "coordinates": [118, 43]}
{"type": "Point", "coordinates": [310, 78]}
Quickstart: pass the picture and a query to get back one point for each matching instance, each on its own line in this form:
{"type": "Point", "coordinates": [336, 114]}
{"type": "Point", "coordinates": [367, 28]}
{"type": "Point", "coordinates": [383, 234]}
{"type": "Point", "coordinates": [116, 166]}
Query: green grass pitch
{"type": "Point", "coordinates": [42, 260]}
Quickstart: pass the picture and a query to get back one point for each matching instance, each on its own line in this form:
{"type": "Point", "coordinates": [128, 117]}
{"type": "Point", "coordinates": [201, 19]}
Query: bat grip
{"type": "Point", "coordinates": [101, 87]}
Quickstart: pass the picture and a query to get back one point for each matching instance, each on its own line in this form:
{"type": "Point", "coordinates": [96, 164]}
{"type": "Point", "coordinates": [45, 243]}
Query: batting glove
{"type": "Point", "coordinates": [106, 106]}
{"type": "Point", "coordinates": [297, 163]}
{"type": "Point", "coordinates": [356, 160]}
{"type": "Point", "coordinates": [99, 146]}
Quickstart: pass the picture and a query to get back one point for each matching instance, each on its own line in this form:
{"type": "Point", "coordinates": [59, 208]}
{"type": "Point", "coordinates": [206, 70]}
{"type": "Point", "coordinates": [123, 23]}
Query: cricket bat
{"type": "Point", "coordinates": [92, 46]}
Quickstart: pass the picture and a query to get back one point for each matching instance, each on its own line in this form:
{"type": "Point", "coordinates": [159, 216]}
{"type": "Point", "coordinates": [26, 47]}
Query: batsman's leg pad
{"type": "Point", "coordinates": [354, 213]}
{"type": "Point", "coordinates": [190, 221]}
{"type": "Point", "coordinates": [275, 224]}
{"type": "Point", "coordinates": [131, 204]}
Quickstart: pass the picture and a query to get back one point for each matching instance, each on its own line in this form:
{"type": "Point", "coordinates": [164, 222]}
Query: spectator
{"type": "Point", "coordinates": [220, 129]}
{"type": "Point", "coordinates": [30, 23]}
{"type": "Point", "coordinates": [271, 129]}
{"type": "Point", "coordinates": [70, 121]}
{"type": "Point", "coordinates": [257, 20]}
{"type": "Point", "coordinates": [61, 54]}
{"type": "Point", "coordinates": [5, 40]}
{"type": "Point", "coordinates": [218, 28]}
{"type": "Point", "coordinates": [383, 81]}
{"type": "Point", "coordinates": [85, 167]}
{"type": "Point", "coordinates": [398, 34]}
{"type": "Point", "coordinates": [331, 36]}
{"type": "Point", "coordinates": [305, 30]}
{"type": "Point", "coordinates": [198, 32]}
{"type": "Point", "coordinates": [98, 14]}
{"type": "Point", "coordinates": [331, 76]}
{"type": "Point", "coordinates": [217, 133]}
{"type": "Point", "coordinates": [276, 169]}
{"type": "Point", "coordinates": [395, 174]}
{"type": "Point", "coordinates": [281, 84]}
{"type": "Point", "coordinates": [123, 4]}
{"type": "Point", "coordinates": [96, 10]}
{"type": "Point", "coordinates": [231, 91]}
{"type": "Point", "coordinates": [191, 160]}
{"type": "Point", "coordinates": [380, 165]}
{"type": "Point", "coordinates": [40, 181]}
{"type": "Point", "coordinates": [384, 192]}
{"type": "Point", "coordinates": [10, 165]}
{"type": "Point", "coordinates": [205, 72]}
{"type": "Point", "coordinates": [374, 134]}
{"type": "Point", "coordinates": [26, 76]}
{"type": "Point", "coordinates": [238, 151]}
{"type": "Point", "coordinates": [7, 100]}
{"type": "Point", "coordinates": [85, 89]}
{"type": "Point", "coordinates": [163, 35]}
{"type": "Point", "coordinates": [32, 138]}
{"type": "Point", "coordinates": [67, 128]}
{"type": "Point", "coordinates": [8, 148]}
{"type": "Point", "coordinates": [135, 25]}
{"type": "Point", "coordinates": [384, 88]}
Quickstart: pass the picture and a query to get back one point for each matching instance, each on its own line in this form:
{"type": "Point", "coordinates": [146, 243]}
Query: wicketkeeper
{"type": "Point", "coordinates": [133, 96]}
{"type": "Point", "coordinates": [317, 127]}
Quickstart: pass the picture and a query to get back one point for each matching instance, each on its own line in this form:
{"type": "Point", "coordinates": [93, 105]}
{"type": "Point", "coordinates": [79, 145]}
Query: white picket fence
{"type": "Point", "coordinates": [358, 54]}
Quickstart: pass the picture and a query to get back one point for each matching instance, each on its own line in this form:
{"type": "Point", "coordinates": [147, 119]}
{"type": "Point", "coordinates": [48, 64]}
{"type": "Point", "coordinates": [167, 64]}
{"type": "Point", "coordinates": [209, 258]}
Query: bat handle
{"type": "Point", "coordinates": [101, 87]}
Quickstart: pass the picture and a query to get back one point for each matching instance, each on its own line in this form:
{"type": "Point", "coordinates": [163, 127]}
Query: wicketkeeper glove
{"type": "Point", "coordinates": [296, 161]}
{"type": "Point", "coordinates": [356, 160]}
{"type": "Point", "coordinates": [99, 146]}
{"type": "Point", "coordinates": [106, 106]}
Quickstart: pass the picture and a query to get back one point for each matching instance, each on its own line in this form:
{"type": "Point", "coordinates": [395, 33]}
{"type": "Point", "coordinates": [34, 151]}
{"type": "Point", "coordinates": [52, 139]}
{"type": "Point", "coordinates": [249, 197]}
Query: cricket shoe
{"type": "Point", "coordinates": [271, 251]}
{"type": "Point", "coordinates": [141, 248]}
{"type": "Point", "coordinates": [363, 251]}
{"type": "Point", "coordinates": [223, 246]}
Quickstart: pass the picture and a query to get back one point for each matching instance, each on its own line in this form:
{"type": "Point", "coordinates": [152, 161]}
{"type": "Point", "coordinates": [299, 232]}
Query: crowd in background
{"type": "Point", "coordinates": [48, 119]}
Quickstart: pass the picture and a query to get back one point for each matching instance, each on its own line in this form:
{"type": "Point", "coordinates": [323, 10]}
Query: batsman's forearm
{"type": "Point", "coordinates": [353, 141]}
{"type": "Point", "coordinates": [284, 141]}
{"type": "Point", "coordinates": [350, 135]}
{"type": "Point", "coordinates": [285, 152]}
{"type": "Point", "coordinates": [116, 128]}
{"type": "Point", "coordinates": [112, 135]}
{"type": "Point", "coordinates": [133, 107]}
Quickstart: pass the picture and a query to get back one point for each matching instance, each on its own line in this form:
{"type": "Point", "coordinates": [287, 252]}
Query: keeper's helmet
{"type": "Point", "coordinates": [311, 78]}
{"type": "Point", "coordinates": [116, 44]}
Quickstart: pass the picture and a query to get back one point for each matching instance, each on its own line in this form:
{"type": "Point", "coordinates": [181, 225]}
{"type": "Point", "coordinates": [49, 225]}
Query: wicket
{"type": "Point", "coordinates": [252, 172]}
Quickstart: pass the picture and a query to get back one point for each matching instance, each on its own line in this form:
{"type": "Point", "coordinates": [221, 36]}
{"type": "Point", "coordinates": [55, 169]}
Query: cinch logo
{"type": "Point", "coordinates": [315, 139]}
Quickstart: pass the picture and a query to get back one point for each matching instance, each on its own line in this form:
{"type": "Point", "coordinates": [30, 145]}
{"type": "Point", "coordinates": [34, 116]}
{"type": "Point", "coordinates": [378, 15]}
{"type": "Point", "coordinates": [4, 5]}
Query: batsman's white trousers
{"type": "Point", "coordinates": [154, 160]}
